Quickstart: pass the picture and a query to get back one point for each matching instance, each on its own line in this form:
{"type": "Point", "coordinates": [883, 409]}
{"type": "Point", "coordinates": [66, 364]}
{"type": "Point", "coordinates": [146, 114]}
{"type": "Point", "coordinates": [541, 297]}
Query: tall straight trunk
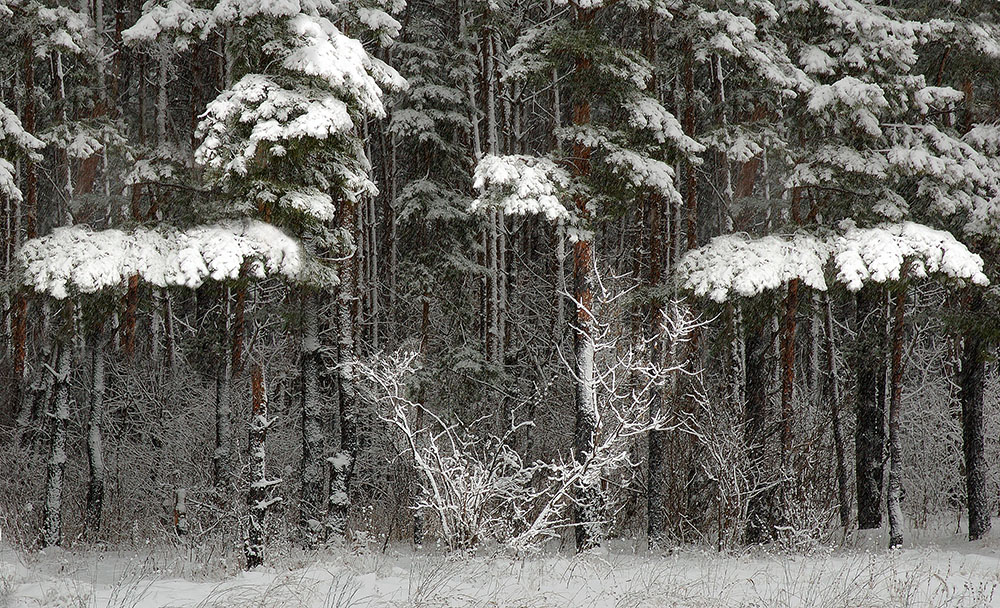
{"type": "Point", "coordinates": [65, 215]}
{"type": "Point", "coordinates": [869, 434]}
{"type": "Point", "coordinates": [691, 193]}
{"type": "Point", "coordinates": [342, 464]}
{"type": "Point", "coordinates": [831, 395]}
{"type": "Point", "coordinates": [657, 462]}
{"type": "Point", "coordinates": [758, 527]}
{"type": "Point", "coordinates": [17, 404]}
{"type": "Point", "coordinates": [658, 465]}
{"type": "Point", "coordinates": [788, 371]}
{"type": "Point", "coordinates": [313, 438]}
{"type": "Point", "coordinates": [223, 472]}
{"type": "Point", "coordinates": [257, 496]}
{"type": "Point", "coordinates": [95, 431]}
{"type": "Point", "coordinates": [372, 282]}
{"type": "Point", "coordinates": [419, 520]}
{"type": "Point", "coordinates": [971, 381]}
{"type": "Point", "coordinates": [58, 415]}
{"type": "Point", "coordinates": [492, 238]}
{"type": "Point", "coordinates": [168, 335]}
{"type": "Point", "coordinates": [895, 491]}
{"type": "Point", "coordinates": [589, 510]}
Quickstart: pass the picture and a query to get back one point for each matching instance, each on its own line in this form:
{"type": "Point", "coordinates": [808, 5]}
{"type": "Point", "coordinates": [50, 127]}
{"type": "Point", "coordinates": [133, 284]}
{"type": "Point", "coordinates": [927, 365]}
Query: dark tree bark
{"type": "Point", "coordinates": [313, 438]}
{"type": "Point", "coordinates": [895, 491]}
{"type": "Point", "coordinates": [971, 383]}
{"type": "Point", "coordinates": [755, 420]}
{"type": "Point", "coordinates": [831, 395]}
{"type": "Point", "coordinates": [869, 434]}
{"type": "Point", "coordinates": [95, 432]}
{"type": "Point", "coordinates": [58, 415]}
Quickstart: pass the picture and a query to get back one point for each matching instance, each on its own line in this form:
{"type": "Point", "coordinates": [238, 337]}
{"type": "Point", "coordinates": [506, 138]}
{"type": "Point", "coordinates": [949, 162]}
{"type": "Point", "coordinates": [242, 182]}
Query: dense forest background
{"type": "Point", "coordinates": [497, 273]}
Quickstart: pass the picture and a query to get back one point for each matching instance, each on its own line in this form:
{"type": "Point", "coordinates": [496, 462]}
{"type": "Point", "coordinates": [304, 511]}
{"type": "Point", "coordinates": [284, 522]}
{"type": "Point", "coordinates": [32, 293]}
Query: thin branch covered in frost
{"type": "Point", "coordinates": [480, 490]}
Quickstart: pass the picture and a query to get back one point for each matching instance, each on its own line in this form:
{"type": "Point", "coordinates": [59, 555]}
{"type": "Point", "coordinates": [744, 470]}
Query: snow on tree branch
{"type": "Point", "coordinates": [738, 265]}
{"type": "Point", "coordinates": [174, 16]}
{"type": "Point", "coordinates": [881, 254]}
{"type": "Point", "coordinates": [521, 185]}
{"type": "Point", "coordinates": [78, 260]}
{"type": "Point", "coordinates": [12, 131]}
{"type": "Point", "coordinates": [342, 62]}
{"type": "Point", "coordinates": [735, 264]}
{"type": "Point", "coordinates": [275, 115]}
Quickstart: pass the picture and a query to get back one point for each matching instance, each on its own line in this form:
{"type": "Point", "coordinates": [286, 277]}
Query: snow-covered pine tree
{"type": "Point", "coordinates": [283, 143]}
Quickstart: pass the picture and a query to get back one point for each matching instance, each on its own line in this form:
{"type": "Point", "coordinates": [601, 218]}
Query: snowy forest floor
{"type": "Point", "coordinates": [941, 570]}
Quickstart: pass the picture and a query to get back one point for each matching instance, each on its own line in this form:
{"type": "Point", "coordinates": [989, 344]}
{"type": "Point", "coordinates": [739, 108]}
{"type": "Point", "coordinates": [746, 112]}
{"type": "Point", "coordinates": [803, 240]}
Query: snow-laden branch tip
{"type": "Point", "coordinates": [79, 260]}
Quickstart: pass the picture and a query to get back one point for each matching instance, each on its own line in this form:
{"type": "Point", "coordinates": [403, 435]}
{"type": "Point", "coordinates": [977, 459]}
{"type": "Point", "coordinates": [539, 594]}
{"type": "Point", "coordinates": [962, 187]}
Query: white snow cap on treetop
{"type": "Point", "coordinates": [77, 259]}
{"type": "Point", "coordinates": [736, 264]}
{"type": "Point", "coordinates": [882, 254]}
{"type": "Point", "coordinates": [521, 185]}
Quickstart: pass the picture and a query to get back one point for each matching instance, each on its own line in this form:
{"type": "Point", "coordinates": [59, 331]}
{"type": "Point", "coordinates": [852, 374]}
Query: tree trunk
{"type": "Point", "coordinates": [95, 426]}
{"type": "Point", "coordinates": [589, 510]}
{"type": "Point", "coordinates": [342, 464]}
{"type": "Point", "coordinates": [223, 416]}
{"type": "Point", "coordinates": [895, 492]}
{"type": "Point", "coordinates": [788, 372]}
{"type": "Point", "coordinates": [313, 438]}
{"type": "Point", "coordinates": [831, 394]}
{"type": "Point", "coordinates": [58, 414]}
{"type": "Point", "coordinates": [758, 527]}
{"type": "Point", "coordinates": [257, 497]}
{"type": "Point", "coordinates": [18, 404]}
{"type": "Point", "coordinates": [869, 435]}
{"type": "Point", "coordinates": [971, 381]}
{"type": "Point", "coordinates": [419, 520]}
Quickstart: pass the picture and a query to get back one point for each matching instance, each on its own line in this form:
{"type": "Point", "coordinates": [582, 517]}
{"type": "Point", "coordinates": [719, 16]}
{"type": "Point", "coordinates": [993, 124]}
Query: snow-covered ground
{"type": "Point", "coordinates": [949, 573]}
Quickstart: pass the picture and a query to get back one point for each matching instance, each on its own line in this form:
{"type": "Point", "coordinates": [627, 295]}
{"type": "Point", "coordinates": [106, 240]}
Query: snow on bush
{"type": "Point", "coordinates": [78, 260]}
